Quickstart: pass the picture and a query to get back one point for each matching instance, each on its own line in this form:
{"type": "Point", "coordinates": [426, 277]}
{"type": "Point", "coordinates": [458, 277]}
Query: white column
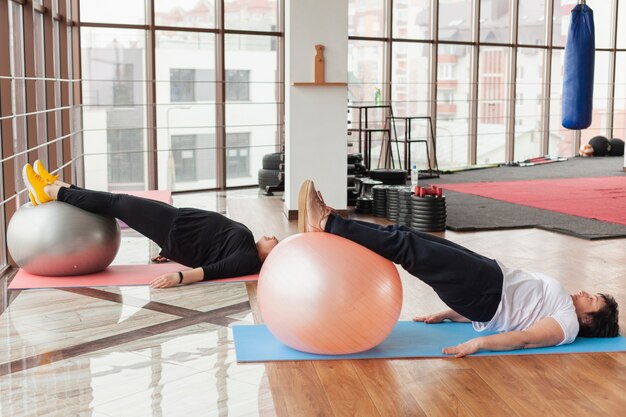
{"type": "Point", "coordinates": [315, 116]}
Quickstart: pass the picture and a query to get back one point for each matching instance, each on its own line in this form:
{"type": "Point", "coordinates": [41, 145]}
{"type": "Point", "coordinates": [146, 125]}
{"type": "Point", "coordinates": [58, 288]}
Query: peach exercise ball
{"type": "Point", "coordinates": [321, 293]}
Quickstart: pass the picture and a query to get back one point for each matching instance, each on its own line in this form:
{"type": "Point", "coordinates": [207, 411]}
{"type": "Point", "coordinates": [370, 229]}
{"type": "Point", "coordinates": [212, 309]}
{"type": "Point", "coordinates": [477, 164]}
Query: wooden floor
{"type": "Point", "coordinates": [134, 351]}
{"type": "Point", "coordinates": [537, 385]}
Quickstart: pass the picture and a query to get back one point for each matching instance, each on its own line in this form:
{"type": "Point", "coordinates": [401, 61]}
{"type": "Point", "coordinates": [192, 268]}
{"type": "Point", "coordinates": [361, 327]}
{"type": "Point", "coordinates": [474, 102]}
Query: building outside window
{"type": "Point", "coordinates": [238, 154]}
{"type": "Point", "coordinates": [237, 85]}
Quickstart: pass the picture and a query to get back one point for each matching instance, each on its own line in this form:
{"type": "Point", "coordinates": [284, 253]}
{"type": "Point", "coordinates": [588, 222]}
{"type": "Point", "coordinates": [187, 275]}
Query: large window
{"type": "Point", "coordinates": [453, 104]}
{"type": "Point", "coordinates": [619, 130]}
{"type": "Point", "coordinates": [561, 140]}
{"type": "Point", "coordinates": [191, 155]}
{"type": "Point", "coordinates": [251, 112]}
{"type": "Point", "coordinates": [493, 87]}
{"type": "Point", "coordinates": [492, 104]}
{"type": "Point", "coordinates": [114, 108]}
{"type": "Point", "coordinates": [529, 102]}
{"type": "Point", "coordinates": [205, 82]}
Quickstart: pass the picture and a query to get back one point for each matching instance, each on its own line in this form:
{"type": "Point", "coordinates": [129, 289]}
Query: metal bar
{"type": "Point", "coordinates": [151, 116]}
{"type": "Point", "coordinates": [473, 104]}
{"type": "Point", "coordinates": [64, 44]}
{"type": "Point", "coordinates": [29, 71]}
{"type": "Point", "coordinates": [178, 29]}
{"type": "Point", "coordinates": [7, 188]}
{"type": "Point", "coordinates": [547, 85]}
{"type": "Point", "coordinates": [75, 172]}
{"type": "Point", "coordinates": [11, 77]}
{"type": "Point", "coordinates": [39, 146]}
{"type": "Point", "coordinates": [280, 86]}
{"type": "Point", "coordinates": [612, 71]}
{"type": "Point", "coordinates": [386, 93]}
{"type": "Point", "coordinates": [434, 58]}
{"type": "Point", "coordinates": [49, 72]}
{"type": "Point", "coordinates": [33, 113]}
{"type": "Point", "coordinates": [509, 147]}
{"type": "Point", "coordinates": [220, 91]}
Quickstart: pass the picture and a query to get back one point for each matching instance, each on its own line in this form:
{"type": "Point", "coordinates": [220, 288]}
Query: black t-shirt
{"type": "Point", "coordinates": [223, 247]}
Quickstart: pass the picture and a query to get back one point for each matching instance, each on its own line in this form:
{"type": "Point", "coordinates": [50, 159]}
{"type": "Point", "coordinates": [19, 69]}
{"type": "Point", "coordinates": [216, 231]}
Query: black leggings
{"type": "Point", "coordinates": [151, 218]}
{"type": "Point", "coordinates": [469, 283]}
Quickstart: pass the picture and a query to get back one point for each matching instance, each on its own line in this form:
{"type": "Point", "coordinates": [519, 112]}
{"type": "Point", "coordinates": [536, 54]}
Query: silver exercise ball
{"type": "Point", "coordinates": [57, 239]}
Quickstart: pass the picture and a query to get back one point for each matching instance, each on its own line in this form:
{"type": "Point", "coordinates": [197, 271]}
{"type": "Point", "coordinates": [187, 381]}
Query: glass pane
{"type": "Point", "coordinates": [113, 11]}
{"type": "Point", "coordinates": [185, 96]}
{"type": "Point", "coordinates": [251, 109]}
{"type": "Point", "coordinates": [619, 123]}
{"type": "Point", "coordinates": [495, 21]}
{"type": "Point", "coordinates": [455, 20]}
{"type": "Point", "coordinates": [561, 20]}
{"type": "Point", "coordinates": [114, 108]}
{"type": "Point", "coordinates": [366, 18]}
{"type": "Point", "coordinates": [453, 100]}
{"type": "Point", "coordinates": [621, 26]}
{"type": "Point", "coordinates": [493, 76]}
{"type": "Point", "coordinates": [260, 15]}
{"type": "Point", "coordinates": [603, 20]}
{"type": "Point", "coordinates": [600, 121]}
{"type": "Point", "coordinates": [187, 13]}
{"type": "Point", "coordinates": [532, 22]}
{"type": "Point", "coordinates": [365, 71]}
{"type": "Point", "coordinates": [411, 19]}
{"type": "Point", "coordinates": [560, 140]}
{"type": "Point", "coordinates": [410, 98]}
{"type": "Point", "coordinates": [528, 103]}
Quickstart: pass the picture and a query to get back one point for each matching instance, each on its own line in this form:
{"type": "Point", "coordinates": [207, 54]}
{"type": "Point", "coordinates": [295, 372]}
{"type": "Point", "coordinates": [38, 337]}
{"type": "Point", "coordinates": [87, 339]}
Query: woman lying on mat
{"type": "Point", "coordinates": [530, 310]}
{"type": "Point", "coordinates": [213, 245]}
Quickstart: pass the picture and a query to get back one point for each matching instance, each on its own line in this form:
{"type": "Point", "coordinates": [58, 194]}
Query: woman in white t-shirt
{"type": "Point", "coordinates": [529, 310]}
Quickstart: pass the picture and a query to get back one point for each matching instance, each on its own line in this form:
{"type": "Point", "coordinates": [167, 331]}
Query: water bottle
{"type": "Point", "coordinates": [377, 97]}
{"type": "Point", "coordinates": [414, 176]}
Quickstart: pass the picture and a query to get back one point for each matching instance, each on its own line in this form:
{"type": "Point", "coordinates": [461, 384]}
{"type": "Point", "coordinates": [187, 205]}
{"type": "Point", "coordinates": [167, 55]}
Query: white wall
{"type": "Point", "coordinates": [316, 117]}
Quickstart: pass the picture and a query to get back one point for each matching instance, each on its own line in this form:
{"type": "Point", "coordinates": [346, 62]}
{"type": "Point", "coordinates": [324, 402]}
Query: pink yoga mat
{"type": "Point", "coordinates": [164, 196]}
{"type": "Point", "coordinates": [113, 276]}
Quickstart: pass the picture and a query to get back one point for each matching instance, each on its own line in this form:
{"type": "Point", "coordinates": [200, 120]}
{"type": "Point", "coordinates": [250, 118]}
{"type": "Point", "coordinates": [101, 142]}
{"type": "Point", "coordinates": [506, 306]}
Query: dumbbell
{"type": "Point", "coordinates": [432, 190]}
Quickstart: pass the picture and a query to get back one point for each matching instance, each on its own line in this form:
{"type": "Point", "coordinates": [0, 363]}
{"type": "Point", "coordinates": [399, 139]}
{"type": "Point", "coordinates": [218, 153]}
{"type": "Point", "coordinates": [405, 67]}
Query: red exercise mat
{"type": "Point", "coordinates": [600, 198]}
{"type": "Point", "coordinates": [113, 276]}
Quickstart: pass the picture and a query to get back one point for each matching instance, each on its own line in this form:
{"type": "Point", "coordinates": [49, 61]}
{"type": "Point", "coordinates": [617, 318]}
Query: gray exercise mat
{"type": "Point", "coordinates": [467, 212]}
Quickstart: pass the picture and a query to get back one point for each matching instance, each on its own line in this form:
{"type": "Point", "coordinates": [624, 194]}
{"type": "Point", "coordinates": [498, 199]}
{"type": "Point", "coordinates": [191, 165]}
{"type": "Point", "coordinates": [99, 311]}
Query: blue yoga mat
{"type": "Point", "coordinates": [407, 340]}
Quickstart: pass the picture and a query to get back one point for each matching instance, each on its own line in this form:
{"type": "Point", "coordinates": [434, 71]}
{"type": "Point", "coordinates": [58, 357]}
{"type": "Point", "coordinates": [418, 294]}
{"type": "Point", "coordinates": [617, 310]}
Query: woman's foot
{"type": "Point", "coordinates": [36, 185]}
{"type": "Point", "coordinates": [43, 172]}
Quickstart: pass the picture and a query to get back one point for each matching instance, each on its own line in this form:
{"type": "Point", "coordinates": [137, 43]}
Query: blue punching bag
{"type": "Point", "coordinates": [578, 69]}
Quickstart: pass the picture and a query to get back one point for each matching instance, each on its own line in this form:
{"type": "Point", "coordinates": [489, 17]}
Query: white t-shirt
{"type": "Point", "coordinates": [526, 299]}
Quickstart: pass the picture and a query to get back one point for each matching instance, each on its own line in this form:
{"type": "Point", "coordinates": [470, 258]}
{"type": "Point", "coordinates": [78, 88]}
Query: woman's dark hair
{"type": "Point", "coordinates": [604, 322]}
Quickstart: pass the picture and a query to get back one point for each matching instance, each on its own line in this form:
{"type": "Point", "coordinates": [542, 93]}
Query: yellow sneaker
{"type": "Point", "coordinates": [35, 184]}
{"type": "Point", "coordinates": [43, 172]}
{"type": "Point", "coordinates": [32, 198]}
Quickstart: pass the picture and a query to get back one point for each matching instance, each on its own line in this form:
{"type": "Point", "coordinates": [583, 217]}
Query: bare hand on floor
{"type": "Point", "coordinates": [165, 281]}
{"type": "Point", "coordinates": [159, 259]}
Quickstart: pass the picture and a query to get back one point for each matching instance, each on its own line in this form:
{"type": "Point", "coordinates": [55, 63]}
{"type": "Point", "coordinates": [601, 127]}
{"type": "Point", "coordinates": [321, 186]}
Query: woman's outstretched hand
{"type": "Point", "coordinates": [165, 281]}
{"type": "Point", "coordinates": [159, 259]}
{"type": "Point", "coordinates": [464, 349]}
